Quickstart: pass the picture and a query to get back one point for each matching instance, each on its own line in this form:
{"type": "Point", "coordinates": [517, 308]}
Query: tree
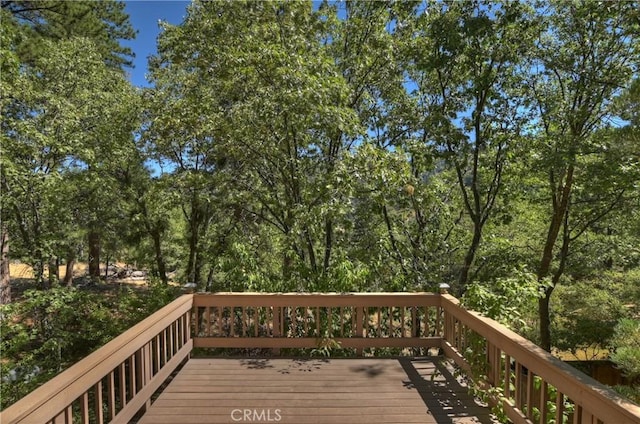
{"type": "Point", "coordinates": [104, 22]}
{"type": "Point", "coordinates": [70, 113]}
{"type": "Point", "coordinates": [465, 64]}
{"type": "Point", "coordinates": [264, 104]}
{"type": "Point", "coordinates": [32, 30]}
{"type": "Point", "coordinates": [9, 69]}
{"type": "Point", "coordinates": [585, 57]}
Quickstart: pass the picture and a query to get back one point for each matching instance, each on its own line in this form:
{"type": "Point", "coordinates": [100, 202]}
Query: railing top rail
{"type": "Point", "coordinates": [573, 383]}
{"type": "Point", "coordinates": [252, 299]}
{"type": "Point", "coordinates": [72, 383]}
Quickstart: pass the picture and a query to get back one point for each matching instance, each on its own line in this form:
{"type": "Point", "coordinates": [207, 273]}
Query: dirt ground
{"type": "Point", "coordinates": [17, 270]}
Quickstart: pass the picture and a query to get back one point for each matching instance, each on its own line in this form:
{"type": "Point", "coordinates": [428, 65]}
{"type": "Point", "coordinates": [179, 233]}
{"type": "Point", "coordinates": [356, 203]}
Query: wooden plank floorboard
{"type": "Point", "coordinates": [401, 390]}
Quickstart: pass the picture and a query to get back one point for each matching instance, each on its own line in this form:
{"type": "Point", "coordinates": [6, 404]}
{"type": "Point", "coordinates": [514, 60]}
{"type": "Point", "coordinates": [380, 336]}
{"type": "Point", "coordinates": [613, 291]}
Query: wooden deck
{"type": "Point", "coordinates": [402, 390]}
{"type": "Point", "coordinates": [116, 383]}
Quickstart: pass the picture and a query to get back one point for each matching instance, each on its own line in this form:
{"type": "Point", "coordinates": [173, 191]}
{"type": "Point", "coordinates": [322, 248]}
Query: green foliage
{"type": "Point", "coordinates": [326, 346]}
{"type": "Point", "coordinates": [586, 314]}
{"type": "Point", "coordinates": [630, 392]}
{"type": "Point", "coordinates": [354, 146]}
{"type": "Point", "coordinates": [626, 341]}
{"type": "Point", "coordinates": [509, 300]}
{"type": "Point", "coordinates": [135, 305]}
{"type": "Point", "coordinates": [48, 331]}
{"type": "Point", "coordinates": [104, 22]}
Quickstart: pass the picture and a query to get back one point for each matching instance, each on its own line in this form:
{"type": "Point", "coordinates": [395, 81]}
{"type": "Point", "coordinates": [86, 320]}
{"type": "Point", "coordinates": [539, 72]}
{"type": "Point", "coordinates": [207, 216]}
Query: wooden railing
{"type": "Point", "coordinates": [293, 320]}
{"type": "Point", "coordinates": [532, 385]}
{"type": "Point", "coordinates": [117, 381]}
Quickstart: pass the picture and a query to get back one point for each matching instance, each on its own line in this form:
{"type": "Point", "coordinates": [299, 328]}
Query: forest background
{"type": "Point", "coordinates": [335, 146]}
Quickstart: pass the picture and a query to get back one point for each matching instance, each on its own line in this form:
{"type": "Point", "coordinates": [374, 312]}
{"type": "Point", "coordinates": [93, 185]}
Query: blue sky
{"type": "Point", "coordinates": [144, 16]}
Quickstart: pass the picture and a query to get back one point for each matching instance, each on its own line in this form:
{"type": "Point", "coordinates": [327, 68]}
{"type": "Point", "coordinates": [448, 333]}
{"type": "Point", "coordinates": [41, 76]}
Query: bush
{"type": "Point", "coordinates": [509, 300]}
{"type": "Point", "coordinates": [626, 342]}
{"type": "Point", "coordinates": [49, 330]}
{"type": "Point", "coordinates": [585, 314]}
{"type": "Point", "coordinates": [45, 333]}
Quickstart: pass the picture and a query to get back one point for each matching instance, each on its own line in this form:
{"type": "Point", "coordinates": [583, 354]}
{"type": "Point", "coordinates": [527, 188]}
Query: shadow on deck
{"type": "Point", "coordinates": [374, 390]}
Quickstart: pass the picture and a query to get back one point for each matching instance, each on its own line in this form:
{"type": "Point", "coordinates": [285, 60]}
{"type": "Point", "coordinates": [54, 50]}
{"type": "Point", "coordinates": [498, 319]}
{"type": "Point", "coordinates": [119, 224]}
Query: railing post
{"type": "Point", "coordinates": [444, 289]}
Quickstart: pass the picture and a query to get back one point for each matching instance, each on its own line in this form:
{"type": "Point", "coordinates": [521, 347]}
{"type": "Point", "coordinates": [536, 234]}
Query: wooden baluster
{"type": "Point", "coordinates": [98, 403]}
{"type": "Point", "coordinates": [132, 376]}
{"type": "Point", "coordinates": [519, 386]}
{"type": "Point", "coordinates": [84, 408]}
{"type": "Point", "coordinates": [588, 417]}
{"type": "Point", "coordinates": [379, 321]}
{"type": "Point", "coordinates": [489, 358]}
{"type": "Point", "coordinates": [177, 324]}
{"type": "Point", "coordinates": [293, 317]}
{"type": "Point", "coordinates": [577, 415]}
{"type": "Point", "coordinates": [187, 328]}
{"type": "Point", "coordinates": [360, 317]}
{"type": "Point", "coordinates": [244, 322]}
{"type": "Point", "coordinates": [559, 407]}
{"type": "Point", "coordinates": [276, 325]}
{"type": "Point", "coordinates": [157, 353]}
{"type": "Point", "coordinates": [68, 414]}
{"type": "Point", "coordinates": [232, 321]}
{"type": "Point", "coordinates": [171, 341]}
{"type": "Point", "coordinates": [221, 332]}
{"type": "Point", "coordinates": [306, 321]}
{"type": "Point", "coordinates": [256, 322]}
{"type": "Point", "coordinates": [123, 385]}
{"type": "Point", "coordinates": [403, 326]}
{"type": "Point", "coordinates": [111, 394]}
{"type": "Point", "coordinates": [530, 404]}
{"type": "Point", "coordinates": [414, 322]}
{"type": "Point", "coordinates": [427, 328]}
{"type": "Point", "coordinates": [391, 327]}
{"type": "Point", "coordinates": [318, 322]}
{"type": "Point", "coordinates": [367, 317]}
{"type": "Point", "coordinates": [495, 362]}
{"type": "Point", "coordinates": [208, 328]}
{"type": "Point", "coordinates": [165, 346]}
{"type": "Point", "coordinates": [544, 398]}
{"type": "Point", "coordinates": [276, 321]}
{"type": "Point", "coordinates": [507, 376]}
{"type": "Point", "coordinates": [146, 367]}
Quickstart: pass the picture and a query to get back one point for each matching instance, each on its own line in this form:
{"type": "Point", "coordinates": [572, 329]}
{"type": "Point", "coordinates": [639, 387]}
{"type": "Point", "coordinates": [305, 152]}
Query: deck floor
{"type": "Point", "coordinates": [275, 390]}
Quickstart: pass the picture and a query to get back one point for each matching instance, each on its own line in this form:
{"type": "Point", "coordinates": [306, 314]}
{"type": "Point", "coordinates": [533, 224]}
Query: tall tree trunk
{"type": "Point", "coordinates": [94, 254]}
{"type": "Point", "coordinates": [5, 278]}
{"type": "Point", "coordinates": [470, 256]}
{"type": "Point", "coordinates": [560, 211]}
{"type": "Point", "coordinates": [194, 219]}
{"type": "Point", "coordinates": [52, 266]}
{"type": "Point", "coordinates": [328, 245]}
{"type": "Point", "coordinates": [157, 247]}
{"type": "Point", "coordinates": [311, 251]}
{"type": "Point", "coordinates": [287, 263]}
{"type": "Point", "coordinates": [191, 262]}
{"type": "Point", "coordinates": [38, 270]}
{"type": "Point", "coordinates": [197, 269]}
{"type": "Point", "coordinates": [392, 239]}
{"type": "Point", "coordinates": [68, 275]}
